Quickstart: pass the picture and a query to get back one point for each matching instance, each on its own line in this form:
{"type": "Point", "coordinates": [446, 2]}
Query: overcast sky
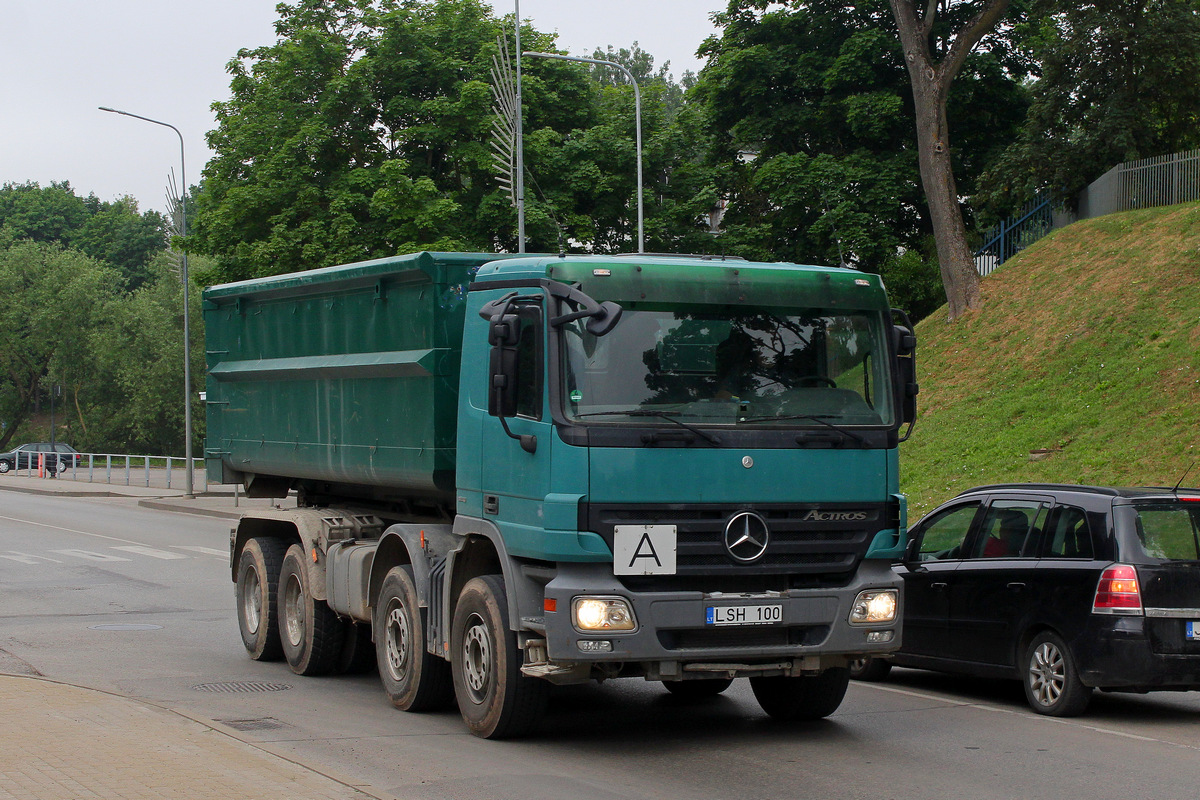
{"type": "Point", "coordinates": [165, 59]}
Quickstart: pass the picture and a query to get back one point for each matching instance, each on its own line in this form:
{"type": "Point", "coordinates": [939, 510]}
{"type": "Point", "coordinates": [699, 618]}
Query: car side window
{"type": "Point", "coordinates": [1069, 535]}
{"type": "Point", "coordinates": [1010, 530]}
{"type": "Point", "coordinates": [943, 536]}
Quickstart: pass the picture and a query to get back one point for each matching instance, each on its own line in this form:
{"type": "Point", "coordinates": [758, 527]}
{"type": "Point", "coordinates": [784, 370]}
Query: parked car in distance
{"type": "Point", "coordinates": [26, 456]}
{"type": "Point", "coordinates": [1067, 588]}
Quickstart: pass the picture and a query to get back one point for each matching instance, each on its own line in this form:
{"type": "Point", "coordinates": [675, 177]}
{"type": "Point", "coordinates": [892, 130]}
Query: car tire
{"type": "Point", "coordinates": [698, 689]}
{"type": "Point", "coordinates": [809, 697]}
{"type": "Point", "coordinates": [496, 701]}
{"type": "Point", "coordinates": [5, 467]}
{"type": "Point", "coordinates": [1052, 684]}
{"type": "Point", "coordinates": [413, 678]}
{"type": "Point", "coordinates": [257, 581]}
{"type": "Point", "coordinates": [869, 669]}
{"type": "Point", "coordinates": [309, 630]}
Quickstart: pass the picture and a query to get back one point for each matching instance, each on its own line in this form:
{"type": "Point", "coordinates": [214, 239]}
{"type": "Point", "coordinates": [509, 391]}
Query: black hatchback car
{"type": "Point", "coordinates": [1067, 588]}
{"type": "Point", "coordinates": [27, 456]}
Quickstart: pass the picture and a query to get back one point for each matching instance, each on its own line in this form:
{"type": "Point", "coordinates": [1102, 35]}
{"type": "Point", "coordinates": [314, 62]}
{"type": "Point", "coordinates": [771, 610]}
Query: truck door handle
{"type": "Point", "coordinates": [1016, 586]}
{"type": "Point", "coordinates": [491, 504]}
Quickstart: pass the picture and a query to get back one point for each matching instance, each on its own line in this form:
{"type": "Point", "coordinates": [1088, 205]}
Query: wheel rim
{"type": "Point", "coordinates": [398, 639]}
{"type": "Point", "coordinates": [252, 601]}
{"type": "Point", "coordinates": [477, 659]}
{"type": "Point", "coordinates": [293, 610]}
{"type": "Point", "coordinates": [1047, 674]}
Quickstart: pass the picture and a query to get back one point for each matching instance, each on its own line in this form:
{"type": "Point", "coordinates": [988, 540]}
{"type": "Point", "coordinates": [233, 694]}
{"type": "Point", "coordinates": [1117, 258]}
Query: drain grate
{"type": "Point", "coordinates": [230, 687]}
{"type": "Point", "coordinates": [260, 724]}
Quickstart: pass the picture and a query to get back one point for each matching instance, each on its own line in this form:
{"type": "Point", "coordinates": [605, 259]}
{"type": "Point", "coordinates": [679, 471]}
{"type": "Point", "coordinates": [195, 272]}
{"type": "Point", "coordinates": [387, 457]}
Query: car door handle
{"type": "Point", "coordinates": [1016, 586]}
{"type": "Point", "coordinates": [939, 586]}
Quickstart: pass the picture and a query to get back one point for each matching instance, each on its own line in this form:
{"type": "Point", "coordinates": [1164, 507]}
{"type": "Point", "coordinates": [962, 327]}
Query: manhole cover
{"type": "Point", "coordinates": [260, 724]}
{"type": "Point", "coordinates": [242, 686]}
{"type": "Point", "coordinates": [126, 626]}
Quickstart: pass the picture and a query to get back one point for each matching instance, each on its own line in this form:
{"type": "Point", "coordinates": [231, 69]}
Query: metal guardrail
{"type": "Point", "coordinates": [1014, 234]}
{"type": "Point", "coordinates": [158, 472]}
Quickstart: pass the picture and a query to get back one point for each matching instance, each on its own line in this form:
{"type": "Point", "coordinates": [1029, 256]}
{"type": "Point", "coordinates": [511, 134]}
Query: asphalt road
{"type": "Point", "coordinates": [109, 595]}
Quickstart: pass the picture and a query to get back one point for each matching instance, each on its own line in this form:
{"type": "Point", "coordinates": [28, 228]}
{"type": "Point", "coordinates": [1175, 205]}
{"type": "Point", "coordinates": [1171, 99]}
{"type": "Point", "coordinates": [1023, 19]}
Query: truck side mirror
{"type": "Point", "coordinates": [905, 346]}
{"type": "Point", "coordinates": [502, 379]}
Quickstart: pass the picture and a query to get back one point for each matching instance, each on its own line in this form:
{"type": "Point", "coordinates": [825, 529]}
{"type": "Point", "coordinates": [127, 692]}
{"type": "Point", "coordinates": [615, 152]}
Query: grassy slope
{"type": "Point", "coordinates": [1087, 344]}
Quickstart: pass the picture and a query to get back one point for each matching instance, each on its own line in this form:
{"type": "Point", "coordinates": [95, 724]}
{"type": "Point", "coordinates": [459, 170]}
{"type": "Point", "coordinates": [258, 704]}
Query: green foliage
{"type": "Point", "coordinates": [1082, 365]}
{"type": "Point", "coordinates": [1118, 83]}
{"type": "Point", "coordinates": [115, 233]}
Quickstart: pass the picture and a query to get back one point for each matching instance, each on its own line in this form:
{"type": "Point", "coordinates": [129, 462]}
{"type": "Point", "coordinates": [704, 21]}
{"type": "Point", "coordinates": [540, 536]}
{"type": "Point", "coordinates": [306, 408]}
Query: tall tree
{"type": "Point", "coordinates": [933, 62]}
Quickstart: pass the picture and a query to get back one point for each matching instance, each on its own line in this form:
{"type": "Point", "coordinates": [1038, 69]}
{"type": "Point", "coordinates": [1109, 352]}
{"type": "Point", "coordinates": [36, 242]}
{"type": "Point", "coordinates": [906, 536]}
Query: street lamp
{"type": "Point", "coordinates": [637, 103]}
{"type": "Point", "coordinates": [187, 344]}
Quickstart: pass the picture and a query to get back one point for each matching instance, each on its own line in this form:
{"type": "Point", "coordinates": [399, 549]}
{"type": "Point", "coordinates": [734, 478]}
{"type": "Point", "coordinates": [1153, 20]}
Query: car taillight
{"type": "Point", "coordinates": [1117, 592]}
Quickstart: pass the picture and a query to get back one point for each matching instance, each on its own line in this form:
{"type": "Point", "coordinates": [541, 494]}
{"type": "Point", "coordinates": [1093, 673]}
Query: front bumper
{"type": "Point", "coordinates": [673, 639]}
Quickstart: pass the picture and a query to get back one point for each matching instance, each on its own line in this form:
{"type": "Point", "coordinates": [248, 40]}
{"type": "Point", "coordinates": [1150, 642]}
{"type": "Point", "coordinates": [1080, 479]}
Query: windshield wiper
{"type": "Point", "coordinates": [819, 418]}
{"type": "Point", "coordinates": [648, 412]}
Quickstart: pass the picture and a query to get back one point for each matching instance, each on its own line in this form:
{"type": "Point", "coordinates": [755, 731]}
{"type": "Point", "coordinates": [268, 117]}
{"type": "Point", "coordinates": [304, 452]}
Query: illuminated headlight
{"type": "Point", "coordinates": [602, 614]}
{"type": "Point", "coordinates": [873, 607]}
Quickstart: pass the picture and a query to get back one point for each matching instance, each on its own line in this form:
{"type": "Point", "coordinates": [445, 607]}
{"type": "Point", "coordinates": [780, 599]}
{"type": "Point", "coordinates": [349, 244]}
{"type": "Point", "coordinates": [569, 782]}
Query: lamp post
{"type": "Point", "coordinates": [637, 103]}
{"type": "Point", "coordinates": [187, 342]}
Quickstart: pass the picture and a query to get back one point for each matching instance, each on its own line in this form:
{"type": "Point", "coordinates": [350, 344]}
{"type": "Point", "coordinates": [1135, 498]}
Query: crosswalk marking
{"type": "Point", "coordinates": [208, 551]}
{"type": "Point", "coordinates": [149, 551]}
{"type": "Point", "coordinates": [27, 558]}
{"type": "Point", "coordinates": [90, 555]}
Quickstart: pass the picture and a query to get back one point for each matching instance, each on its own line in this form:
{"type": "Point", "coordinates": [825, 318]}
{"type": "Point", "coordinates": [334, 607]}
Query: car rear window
{"type": "Point", "coordinates": [1169, 531]}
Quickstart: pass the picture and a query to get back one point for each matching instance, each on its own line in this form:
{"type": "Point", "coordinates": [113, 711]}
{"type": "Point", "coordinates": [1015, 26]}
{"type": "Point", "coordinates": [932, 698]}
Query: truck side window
{"type": "Point", "coordinates": [529, 364]}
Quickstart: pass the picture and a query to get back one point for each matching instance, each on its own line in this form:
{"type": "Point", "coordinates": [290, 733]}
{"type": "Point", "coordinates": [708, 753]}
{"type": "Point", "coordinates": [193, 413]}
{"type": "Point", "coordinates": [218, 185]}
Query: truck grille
{"type": "Point", "coordinates": [812, 544]}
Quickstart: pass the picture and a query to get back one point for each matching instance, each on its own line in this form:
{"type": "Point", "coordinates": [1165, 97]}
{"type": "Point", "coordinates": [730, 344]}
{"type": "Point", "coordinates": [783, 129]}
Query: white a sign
{"type": "Point", "coordinates": [644, 549]}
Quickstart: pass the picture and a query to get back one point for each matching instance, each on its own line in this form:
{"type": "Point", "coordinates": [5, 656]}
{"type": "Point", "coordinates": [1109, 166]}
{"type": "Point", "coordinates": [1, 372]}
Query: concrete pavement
{"type": "Point", "coordinates": [64, 742]}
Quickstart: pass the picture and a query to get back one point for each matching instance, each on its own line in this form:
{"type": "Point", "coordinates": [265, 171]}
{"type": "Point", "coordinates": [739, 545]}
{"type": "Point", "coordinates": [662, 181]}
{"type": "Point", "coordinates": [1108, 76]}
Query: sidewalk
{"type": "Point", "coordinates": [63, 742]}
{"type": "Point", "coordinates": [215, 500]}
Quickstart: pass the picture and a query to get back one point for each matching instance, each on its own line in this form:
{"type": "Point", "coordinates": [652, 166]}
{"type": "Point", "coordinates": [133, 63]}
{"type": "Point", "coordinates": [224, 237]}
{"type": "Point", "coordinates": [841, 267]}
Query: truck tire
{"type": "Point", "coordinates": [694, 690]}
{"type": "Point", "coordinates": [257, 581]}
{"type": "Point", "coordinates": [494, 698]}
{"type": "Point", "coordinates": [310, 632]}
{"type": "Point", "coordinates": [808, 697]}
{"type": "Point", "coordinates": [414, 679]}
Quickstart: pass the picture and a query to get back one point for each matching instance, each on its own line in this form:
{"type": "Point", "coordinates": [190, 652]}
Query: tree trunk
{"type": "Point", "coordinates": [931, 87]}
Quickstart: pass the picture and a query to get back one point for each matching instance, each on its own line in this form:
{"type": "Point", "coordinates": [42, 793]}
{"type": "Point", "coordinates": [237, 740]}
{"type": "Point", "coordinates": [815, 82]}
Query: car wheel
{"type": "Point", "coordinates": [695, 690]}
{"type": "Point", "coordinates": [1052, 684]}
{"type": "Point", "coordinates": [5, 467]}
{"type": "Point", "coordinates": [808, 697]}
{"type": "Point", "coordinates": [414, 678]}
{"type": "Point", "coordinates": [309, 630]}
{"type": "Point", "coordinates": [870, 669]}
{"type": "Point", "coordinates": [494, 698]}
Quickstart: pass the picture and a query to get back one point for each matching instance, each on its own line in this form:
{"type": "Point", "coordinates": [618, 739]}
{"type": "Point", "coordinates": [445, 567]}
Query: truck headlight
{"type": "Point", "coordinates": [602, 614]}
{"type": "Point", "coordinates": [874, 606]}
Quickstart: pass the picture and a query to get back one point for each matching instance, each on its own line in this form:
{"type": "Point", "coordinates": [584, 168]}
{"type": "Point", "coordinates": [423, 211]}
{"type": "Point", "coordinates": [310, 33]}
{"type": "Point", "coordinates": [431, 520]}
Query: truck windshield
{"type": "Point", "coordinates": [731, 366]}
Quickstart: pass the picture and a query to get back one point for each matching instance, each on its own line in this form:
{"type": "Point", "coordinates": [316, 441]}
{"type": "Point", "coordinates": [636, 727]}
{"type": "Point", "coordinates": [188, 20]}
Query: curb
{"type": "Point", "coordinates": [160, 505]}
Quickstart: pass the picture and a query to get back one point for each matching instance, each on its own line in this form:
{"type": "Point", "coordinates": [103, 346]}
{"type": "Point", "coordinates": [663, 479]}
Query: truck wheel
{"type": "Point", "coordinates": [694, 690]}
{"type": "Point", "coordinates": [309, 630]}
{"type": "Point", "coordinates": [1052, 684]}
{"type": "Point", "coordinates": [257, 580]}
{"type": "Point", "coordinates": [494, 698]}
{"type": "Point", "coordinates": [808, 697]}
{"type": "Point", "coordinates": [358, 651]}
{"type": "Point", "coordinates": [870, 669]}
{"type": "Point", "coordinates": [414, 679]}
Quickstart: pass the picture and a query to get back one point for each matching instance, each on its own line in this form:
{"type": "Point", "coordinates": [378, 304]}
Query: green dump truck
{"type": "Point", "coordinates": [518, 471]}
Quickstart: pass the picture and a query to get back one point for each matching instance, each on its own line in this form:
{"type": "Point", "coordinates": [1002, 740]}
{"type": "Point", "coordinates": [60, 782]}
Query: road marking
{"type": "Point", "coordinates": [90, 555]}
{"type": "Point", "coordinates": [150, 551]}
{"type": "Point", "coordinates": [1027, 714]}
{"type": "Point", "coordinates": [69, 530]}
{"type": "Point", "coordinates": [28, 558]}
{"type": "Point", "coordinates": [208, 551]}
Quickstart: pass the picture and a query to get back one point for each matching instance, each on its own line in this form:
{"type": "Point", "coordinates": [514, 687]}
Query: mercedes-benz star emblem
{"type": "Point", "coordinates": [747, 536]}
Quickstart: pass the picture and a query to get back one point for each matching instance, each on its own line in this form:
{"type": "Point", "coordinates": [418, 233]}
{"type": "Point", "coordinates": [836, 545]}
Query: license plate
{"type": "Point", "coordinates": [1193, 631]}
{"type": "Point", "coordinates": [745, 615]}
